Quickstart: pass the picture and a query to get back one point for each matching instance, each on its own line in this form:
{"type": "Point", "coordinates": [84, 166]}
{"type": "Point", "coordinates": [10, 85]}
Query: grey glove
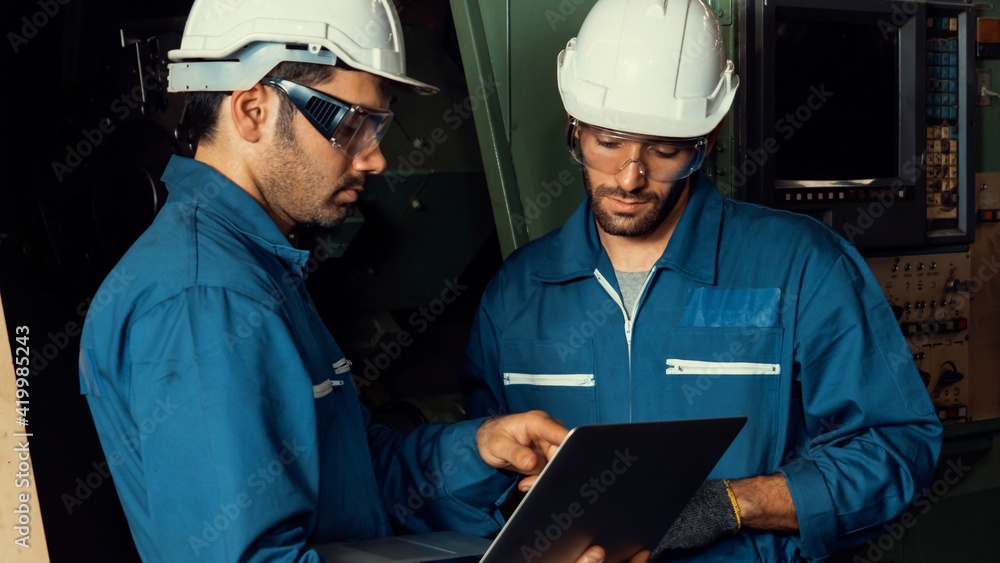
{"type": "Point", "coordinates": [710, 514]}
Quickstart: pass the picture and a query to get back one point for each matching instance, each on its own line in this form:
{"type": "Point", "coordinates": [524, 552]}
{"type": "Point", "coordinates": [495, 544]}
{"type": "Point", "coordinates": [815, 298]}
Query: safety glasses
{"type": "Point", "coordinates": [353, 129]}
{"type": "Point", "coordinates": [610, 152]}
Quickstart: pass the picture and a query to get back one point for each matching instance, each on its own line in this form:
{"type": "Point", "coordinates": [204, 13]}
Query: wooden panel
{"type": "Point", "coordinates": [22, 538]}
{"type": "Point", "coordinates": [984, 323]}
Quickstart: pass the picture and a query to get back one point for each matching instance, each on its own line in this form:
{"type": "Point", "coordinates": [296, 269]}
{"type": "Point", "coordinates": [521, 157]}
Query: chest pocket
{"type": "Point", "coordinates": [730, 371]}
{"type": "Point", "coordinates": [557, 377]}
{"type": "Point", "coordinates": [726, 361]}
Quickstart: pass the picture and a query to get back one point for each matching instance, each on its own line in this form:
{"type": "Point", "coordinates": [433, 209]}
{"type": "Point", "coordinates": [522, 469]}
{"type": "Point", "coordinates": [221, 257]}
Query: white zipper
{"type": "Point", "coordinates": [628, 323]}
{"type": "Point", "coordinates": [321, 390]}
{"type": "Point", "coordinates": [697, 367]}
{"type": "Point", "coordinates": [550, 379]}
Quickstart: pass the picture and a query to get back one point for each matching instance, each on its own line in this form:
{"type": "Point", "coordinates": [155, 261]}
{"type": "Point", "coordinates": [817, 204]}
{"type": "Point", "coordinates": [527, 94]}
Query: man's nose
{"type": "Point", "coordinates": [630, 177]}
{"type": "Point", "coordinates": [373, 162]}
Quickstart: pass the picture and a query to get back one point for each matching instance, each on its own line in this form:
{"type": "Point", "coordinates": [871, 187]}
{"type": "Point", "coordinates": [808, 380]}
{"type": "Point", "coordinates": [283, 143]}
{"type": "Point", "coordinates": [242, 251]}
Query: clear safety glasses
{"type": "Point", "coordinates": [659, 159]}
{"type": "Point", "coordinates": [353, 129]}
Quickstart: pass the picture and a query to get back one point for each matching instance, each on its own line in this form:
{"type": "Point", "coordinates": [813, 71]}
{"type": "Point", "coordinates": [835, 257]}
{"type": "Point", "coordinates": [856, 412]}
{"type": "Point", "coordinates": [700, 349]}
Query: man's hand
{"type": "Point", "coordinates": [522, 442]}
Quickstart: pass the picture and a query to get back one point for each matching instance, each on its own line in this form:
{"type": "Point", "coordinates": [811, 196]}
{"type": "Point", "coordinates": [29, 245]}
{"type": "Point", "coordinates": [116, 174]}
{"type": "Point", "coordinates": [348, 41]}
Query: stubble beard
{"type": "Point", "coordinates": [297, 187]}
{"type": "Point", "coordinates": [637, 224]}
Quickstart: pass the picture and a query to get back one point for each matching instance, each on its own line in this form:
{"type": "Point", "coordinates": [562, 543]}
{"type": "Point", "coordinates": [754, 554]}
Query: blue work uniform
{"type": "Point", "coordinates": [227, 412]}
{"type": "Point", "coordinates": [749, 312]}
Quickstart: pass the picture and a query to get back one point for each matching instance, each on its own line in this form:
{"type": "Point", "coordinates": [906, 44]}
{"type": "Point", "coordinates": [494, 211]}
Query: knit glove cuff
{"type": "Point", "coordinates": [712, 513]}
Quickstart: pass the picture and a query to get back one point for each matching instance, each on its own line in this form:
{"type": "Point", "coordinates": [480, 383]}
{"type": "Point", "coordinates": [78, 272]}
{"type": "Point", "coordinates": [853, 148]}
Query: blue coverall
{"type": "Point", "coordinates": [749, 312]}
{"type": "Point", "coordinates": [227, 412]}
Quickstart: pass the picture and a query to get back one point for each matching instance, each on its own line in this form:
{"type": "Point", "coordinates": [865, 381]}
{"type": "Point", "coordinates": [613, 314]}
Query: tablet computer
{"type": "Point", "coordinates": [452, 547]}
{"type": "Point", "coordinates": [619, 486]}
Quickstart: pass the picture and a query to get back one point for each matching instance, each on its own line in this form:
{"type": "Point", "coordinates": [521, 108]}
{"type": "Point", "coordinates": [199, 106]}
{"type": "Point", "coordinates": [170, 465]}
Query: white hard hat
{"type": "Point", "coordinates": [231, 45]}
{"type": "Point", "coordinates": [654, 67]}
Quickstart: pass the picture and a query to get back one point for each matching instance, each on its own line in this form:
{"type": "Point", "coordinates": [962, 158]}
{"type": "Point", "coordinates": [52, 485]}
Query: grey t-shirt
{"type": "Point", "coordinates": [631, 284]}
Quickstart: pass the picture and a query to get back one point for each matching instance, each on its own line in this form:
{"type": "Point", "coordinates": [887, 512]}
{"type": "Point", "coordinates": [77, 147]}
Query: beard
{"type": "Point", "coordinates": [636, 224]}
{"type": "Point", "coordinates": [330, 213]}
{"type": "Point", "coordinates": [297, 187]}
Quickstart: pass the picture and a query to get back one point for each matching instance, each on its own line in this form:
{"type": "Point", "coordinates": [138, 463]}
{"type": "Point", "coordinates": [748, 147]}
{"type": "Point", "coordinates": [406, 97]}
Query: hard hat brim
{"type": "Point", "coordinates": [200, 71]}
{"type": "Point", "coordinates": [405, 82]}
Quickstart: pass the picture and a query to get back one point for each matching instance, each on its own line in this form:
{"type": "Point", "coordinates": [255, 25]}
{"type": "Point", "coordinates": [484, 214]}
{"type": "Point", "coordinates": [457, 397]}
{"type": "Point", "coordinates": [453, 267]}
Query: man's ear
{"type": "Point", "coordinates": [250, 110]}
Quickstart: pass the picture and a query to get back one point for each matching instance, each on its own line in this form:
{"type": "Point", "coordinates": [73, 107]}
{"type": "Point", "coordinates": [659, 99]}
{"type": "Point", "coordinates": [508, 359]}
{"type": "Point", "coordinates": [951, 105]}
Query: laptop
{"type": "Point", "coordinates": [619, 486]}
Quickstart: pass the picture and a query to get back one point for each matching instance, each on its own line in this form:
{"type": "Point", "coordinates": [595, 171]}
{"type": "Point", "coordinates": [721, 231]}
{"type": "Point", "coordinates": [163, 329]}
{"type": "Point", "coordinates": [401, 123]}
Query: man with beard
{"type": "Point", "coordinates": [227, 412]}
{"type": "Point", "coordinates": [660, 299]}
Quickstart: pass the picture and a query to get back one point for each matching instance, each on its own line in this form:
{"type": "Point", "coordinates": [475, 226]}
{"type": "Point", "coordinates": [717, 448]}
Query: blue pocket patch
{"type": "Point", "coordinates": [711, 307]}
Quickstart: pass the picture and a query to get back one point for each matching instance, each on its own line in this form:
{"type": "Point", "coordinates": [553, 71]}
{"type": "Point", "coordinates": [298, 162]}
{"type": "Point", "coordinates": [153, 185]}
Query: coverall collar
{"type": "Point", "coordinates": [195, 183]}
{"type": "Point", "coordinates": [575, 251]}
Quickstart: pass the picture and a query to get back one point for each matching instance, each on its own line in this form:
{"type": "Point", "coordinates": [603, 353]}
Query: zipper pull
{"type": "Point", "coordinates": [321, 390]}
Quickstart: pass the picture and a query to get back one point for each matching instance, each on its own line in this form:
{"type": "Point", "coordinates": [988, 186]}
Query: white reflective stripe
{"type": "Point", "coordinates": [696, 367]}
{"type": "Point", "coordinates": [550, 379]}
{"type": "Point", "coordinates": [321, 390]}
{"type": "Point", "coordinates": [341, 366]}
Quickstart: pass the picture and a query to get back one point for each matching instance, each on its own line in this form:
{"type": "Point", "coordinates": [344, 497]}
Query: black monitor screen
{"type": "Point", "coordinates": [836, 97]}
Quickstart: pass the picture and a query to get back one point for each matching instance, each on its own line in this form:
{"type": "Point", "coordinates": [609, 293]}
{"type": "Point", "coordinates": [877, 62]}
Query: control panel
{"type": "Point", "coordinates": [943, 104]}
{"type": "Point", "coordinates": [929, 293]}
{"type": "Point", "coordinates": [950, 70]}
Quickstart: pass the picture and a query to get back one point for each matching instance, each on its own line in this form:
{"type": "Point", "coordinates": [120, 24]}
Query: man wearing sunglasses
{"type": "Point", "coordinates": [227, 412]}
{"type": "Point", "coordinates": [661, 299]}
